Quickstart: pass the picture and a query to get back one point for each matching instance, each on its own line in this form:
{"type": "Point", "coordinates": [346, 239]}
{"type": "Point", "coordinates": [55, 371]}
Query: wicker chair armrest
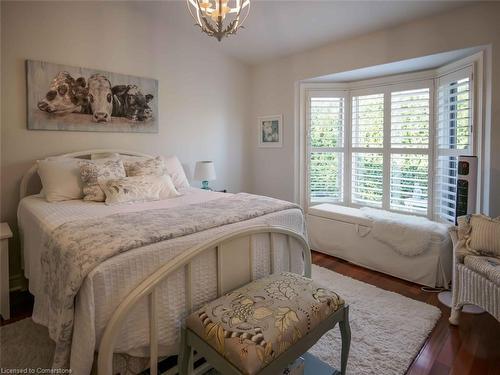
{"type": "Point", "coordinates": [460, 251]}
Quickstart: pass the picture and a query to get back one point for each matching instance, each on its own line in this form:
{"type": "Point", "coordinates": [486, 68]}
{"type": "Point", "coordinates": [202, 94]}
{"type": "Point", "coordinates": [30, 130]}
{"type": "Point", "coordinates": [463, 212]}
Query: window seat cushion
{"type": "Point", "coordinates": [356, 216]}
{"type": "Point", "coordinates": [340, 213]}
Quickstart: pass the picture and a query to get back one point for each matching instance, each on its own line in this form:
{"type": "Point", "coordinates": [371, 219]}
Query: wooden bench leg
{"type": "Point", "coordinates": [185, 362]}
{"type": "Point", "coordinates": [345, 333]}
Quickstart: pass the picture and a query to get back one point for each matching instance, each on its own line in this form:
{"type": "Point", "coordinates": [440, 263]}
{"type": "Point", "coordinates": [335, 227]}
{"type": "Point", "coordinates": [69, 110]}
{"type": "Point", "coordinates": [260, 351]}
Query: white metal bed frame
{"type": "Point", "coordinates": [234, 254]}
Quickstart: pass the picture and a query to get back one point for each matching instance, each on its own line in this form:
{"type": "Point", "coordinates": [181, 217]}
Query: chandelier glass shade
{"type": "Point", "coordinates": [219, 18]}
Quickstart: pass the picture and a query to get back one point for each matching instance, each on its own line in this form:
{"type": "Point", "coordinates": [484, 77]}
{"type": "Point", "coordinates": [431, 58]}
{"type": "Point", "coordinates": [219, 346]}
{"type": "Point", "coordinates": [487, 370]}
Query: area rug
{"type": "Point", "coordinates": [387, 328]}
{"type": "Point", "coordinates": [388, 331]}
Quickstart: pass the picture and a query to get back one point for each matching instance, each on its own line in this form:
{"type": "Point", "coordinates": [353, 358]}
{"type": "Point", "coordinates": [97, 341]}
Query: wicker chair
{"type": "Point", "coordinates": [476, 275]}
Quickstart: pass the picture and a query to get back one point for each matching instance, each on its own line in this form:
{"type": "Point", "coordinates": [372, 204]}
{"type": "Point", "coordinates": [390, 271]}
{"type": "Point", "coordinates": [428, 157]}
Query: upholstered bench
{"type": "Point", "coordinates": [264, 326]}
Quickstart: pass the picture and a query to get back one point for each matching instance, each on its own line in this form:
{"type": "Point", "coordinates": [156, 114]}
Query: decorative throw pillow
{"type": "Point", "coordinates": [484, 235]}
{"type": "Point", "coordinates": [144, 166]}
{"type": "Point", "coordinates": [138, 189]}
{"type": "Point", "coordinates": [60, 179]}
{"type": "Point", "coordinates": [141, 166]}
{"type": "Point", "coordinates": [93, 172]}
{"type": "Point", "coordinates": [176, 172]}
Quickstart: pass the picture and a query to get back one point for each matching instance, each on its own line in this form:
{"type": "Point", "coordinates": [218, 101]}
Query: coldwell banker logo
{"type": "Point", "coordinates": [38, 370]}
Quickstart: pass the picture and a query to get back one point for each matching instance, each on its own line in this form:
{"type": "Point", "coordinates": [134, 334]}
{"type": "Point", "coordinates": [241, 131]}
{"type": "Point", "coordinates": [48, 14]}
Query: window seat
{"type": "Point", "coordinates": [340, 213]}
{"type": "Point", "coordinates": [345, 232]}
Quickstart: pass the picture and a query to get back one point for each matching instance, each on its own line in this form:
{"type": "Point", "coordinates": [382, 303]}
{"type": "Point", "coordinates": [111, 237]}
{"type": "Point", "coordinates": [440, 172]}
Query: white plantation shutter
{"type": "Point", "coordinates": [368, 121]}
{"type": "Point", "coordinates": [453, 138]}
{"type": "Point", "coordinates": [446, 187]}
{"type": "Point", "coordinates": [367, 171]}
{"type": "Point", "coordinates": [367, 179]}
{"type": "Point", "coordinates": [326, 124]}
{"type": "Point", "coordinates": [454, 115]}
{"type": "Point", "coordinates": [409, 168]}
{"type": "Point", "coordinates": [410, 118]}
{"type": "Point", "coordinates": [409, 183]}
{"type": "Point", "coordinates": [326, 177]}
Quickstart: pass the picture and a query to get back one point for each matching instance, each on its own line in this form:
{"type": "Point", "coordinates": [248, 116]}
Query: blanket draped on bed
{"type": "Point", "coordinates": [77, 247]}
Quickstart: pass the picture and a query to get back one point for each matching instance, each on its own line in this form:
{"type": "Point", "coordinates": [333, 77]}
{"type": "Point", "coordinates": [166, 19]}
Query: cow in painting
{"type": "Point", "coordinates": [130, 102]}
{"type": "Point", "coordinates": [96, 97]}
{"type": "Point", "coordinates": [66, 95]}
{"type": "Point", "coordinates": [100, 97]}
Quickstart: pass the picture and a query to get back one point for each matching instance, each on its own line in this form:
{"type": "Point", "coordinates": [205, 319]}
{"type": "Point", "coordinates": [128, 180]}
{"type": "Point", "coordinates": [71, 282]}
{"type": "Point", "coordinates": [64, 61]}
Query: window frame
{"type": "Point", "coordinates": [308, 148]}
{"type": "Point", "coordinates": [367, 150]}
{"type": "Point", "coordinates": [429, 79]}
{"type": "Point", "coordinates": [386, 150]}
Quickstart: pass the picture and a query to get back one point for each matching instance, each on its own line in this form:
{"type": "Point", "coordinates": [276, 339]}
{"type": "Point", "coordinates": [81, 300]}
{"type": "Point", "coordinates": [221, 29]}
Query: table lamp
{"type": "Point", "coordinates": [204, 172]}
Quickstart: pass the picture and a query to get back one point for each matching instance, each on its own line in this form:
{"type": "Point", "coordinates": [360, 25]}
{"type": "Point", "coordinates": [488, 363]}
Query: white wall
{"type": "Point", "coordinates": [273, 83]}
{"type": "Point", "coordinates": [202, 94]}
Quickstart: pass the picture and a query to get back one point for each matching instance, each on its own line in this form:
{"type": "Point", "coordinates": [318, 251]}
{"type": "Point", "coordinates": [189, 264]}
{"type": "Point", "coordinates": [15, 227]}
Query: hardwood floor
{"type": "Point", "coordinates": [21, 306]}
{"type": "Point", "coordinates": [472, 348]}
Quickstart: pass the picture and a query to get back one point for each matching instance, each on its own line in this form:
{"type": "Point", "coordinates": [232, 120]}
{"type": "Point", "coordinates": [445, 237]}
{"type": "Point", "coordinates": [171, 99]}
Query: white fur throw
{"type": "Point", "coordinates": [407, 234]}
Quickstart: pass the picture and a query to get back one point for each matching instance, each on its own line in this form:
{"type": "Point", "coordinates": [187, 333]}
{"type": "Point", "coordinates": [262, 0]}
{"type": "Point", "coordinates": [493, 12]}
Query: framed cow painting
{"type": "Point", "coordinates": [62, 97]}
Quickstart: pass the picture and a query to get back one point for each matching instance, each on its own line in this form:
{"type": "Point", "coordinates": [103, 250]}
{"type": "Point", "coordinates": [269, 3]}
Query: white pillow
{"type": "Point", "coordinates": [176, 172]}
{"type": "Point", "coordinates": [60, 179]}
{"type": "Point", "coordinates": [138, 189]}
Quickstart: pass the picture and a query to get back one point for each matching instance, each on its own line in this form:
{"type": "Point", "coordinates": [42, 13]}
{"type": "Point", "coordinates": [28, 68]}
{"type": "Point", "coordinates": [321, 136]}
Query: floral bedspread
{"type": "Point", "coordinates": [77, 247]}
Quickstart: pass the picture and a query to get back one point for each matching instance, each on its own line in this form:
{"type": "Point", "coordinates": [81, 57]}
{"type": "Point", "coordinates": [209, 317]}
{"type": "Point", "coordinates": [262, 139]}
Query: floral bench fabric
{"type": "Point", "coordinates": [253, 325]}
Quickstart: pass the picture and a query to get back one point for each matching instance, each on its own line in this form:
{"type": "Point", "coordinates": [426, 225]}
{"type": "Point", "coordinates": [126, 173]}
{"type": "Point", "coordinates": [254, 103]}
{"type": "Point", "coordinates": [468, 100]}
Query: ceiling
{"type": "Point", "coordinates": [279, 28]}
{"type": "Point", "coordinates": [399, 67]}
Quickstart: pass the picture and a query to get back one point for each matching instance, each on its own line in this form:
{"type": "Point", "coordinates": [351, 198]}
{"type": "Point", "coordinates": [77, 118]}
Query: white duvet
{"type": "Point", "coordinates": [106, 286]}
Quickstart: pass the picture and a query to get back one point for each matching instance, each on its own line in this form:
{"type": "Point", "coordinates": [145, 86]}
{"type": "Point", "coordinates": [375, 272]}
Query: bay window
{"type": "Point", "coordinates": [392, 146]}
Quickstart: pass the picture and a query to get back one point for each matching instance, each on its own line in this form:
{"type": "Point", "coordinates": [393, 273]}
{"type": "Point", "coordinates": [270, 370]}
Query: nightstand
{"type": "Point", "coordinates": [5, 234]}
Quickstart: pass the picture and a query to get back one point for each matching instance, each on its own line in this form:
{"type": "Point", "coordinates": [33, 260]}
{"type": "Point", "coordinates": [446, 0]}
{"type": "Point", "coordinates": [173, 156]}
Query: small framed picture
{"type": "Point", "coordinates": [270, 131]}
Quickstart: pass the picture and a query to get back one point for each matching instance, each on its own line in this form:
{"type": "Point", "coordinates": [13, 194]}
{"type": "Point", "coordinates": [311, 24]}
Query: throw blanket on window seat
{"type": "Point", "coordinates": [407, 234]}
{"type": "Point", "coordinates": [76, 248]}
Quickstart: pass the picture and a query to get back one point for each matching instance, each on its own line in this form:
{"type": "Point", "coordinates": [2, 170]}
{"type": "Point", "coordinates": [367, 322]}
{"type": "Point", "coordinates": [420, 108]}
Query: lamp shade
{"type": "Point", "coordinates": [204, 171]}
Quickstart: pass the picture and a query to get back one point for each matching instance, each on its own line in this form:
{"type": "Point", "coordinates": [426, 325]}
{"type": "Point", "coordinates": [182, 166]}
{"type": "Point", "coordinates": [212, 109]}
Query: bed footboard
{"type": "Point", "coordinates": [234, 252]}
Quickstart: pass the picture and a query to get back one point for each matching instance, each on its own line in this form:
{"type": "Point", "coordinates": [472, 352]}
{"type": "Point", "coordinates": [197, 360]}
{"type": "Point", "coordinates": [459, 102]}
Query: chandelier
{"type": "Point", "coordinates": [219, 18]}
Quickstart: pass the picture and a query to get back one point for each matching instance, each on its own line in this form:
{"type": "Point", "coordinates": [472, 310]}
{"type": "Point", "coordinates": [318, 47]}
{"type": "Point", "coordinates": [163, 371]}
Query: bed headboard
{"type": "Point", "coordinates": [31, 179]}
